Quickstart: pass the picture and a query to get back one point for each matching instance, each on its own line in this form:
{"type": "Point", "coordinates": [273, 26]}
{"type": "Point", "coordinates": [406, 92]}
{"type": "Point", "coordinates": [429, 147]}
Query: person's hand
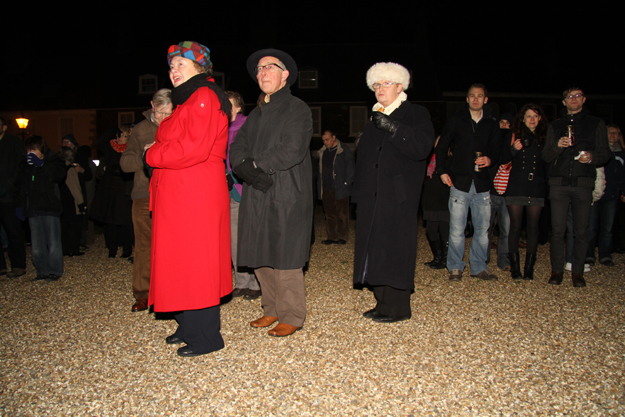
{"type": "Point", "coordinates": [33, 159]}
{"type": "Point", "coordinates": [262, 182]}
{"type": "Point", "coordinates": [585, 157]}
{"type": "Point", "coordinates": [384, 122]}
{"type": "Point", "coordinates": [483, 161]}
{"type": "Point", "coordinates": [446, 180]}
{"type": "Point", "coordinates": [564, 142]}
{"type": "Point", "coordinates": [79, 169]}
{"type": "Point", "coordinates": [517, 145]}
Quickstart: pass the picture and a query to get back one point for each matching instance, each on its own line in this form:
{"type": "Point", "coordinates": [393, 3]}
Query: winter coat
{"type": "Point", "coordinates": [387, 186]}
{"type": "Point", "coordinates": [111, 203]}
{"type": "Point", "coordinates": [37, 190]}
{"type": "Point", "coordinates": [528, 174]}
{"type": "Point", "coordinates": [132, 158]}
{"type": "Point", "coordinates": [343, 171]}
{"type": "Point", "coordinates": [11, 154]}
{"type": "Point", "coordinates": [233, 129]}
{"type": "Point", "coordinates": [275, 227]}
{"type": "Point", "coordinates": [614, 177]}
{"type": "Point", "coordinates": [190, 258]}
{"type": "Point", "coordinates": [591, 135]}
{"type": "Point", "coordinates": [468, 137]}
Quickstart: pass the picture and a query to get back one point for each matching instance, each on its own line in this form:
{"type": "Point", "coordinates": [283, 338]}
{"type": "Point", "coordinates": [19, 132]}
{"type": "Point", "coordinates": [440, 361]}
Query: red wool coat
{"type": "Point", "coordinates": [190, 207]}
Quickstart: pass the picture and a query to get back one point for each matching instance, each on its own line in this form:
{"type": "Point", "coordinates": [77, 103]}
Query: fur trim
{"type": "Point", "coordinates": [388, 71]}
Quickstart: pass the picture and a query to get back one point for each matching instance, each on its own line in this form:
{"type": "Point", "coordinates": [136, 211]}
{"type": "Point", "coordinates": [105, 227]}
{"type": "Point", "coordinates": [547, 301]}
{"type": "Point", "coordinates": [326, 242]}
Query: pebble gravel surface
{"type": "Point", "coordinates": [472, 348]}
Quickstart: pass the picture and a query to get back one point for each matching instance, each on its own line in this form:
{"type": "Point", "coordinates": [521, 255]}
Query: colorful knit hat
{"type": "Point", "coordinates": [191, 50]}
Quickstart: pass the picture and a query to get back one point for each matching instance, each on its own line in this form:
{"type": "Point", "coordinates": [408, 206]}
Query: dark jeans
{"type": "Point", "coordinates": [13, 228]}
{"type": "Point", "coordinates": [580, 200]}
{"type": "Point", "coordinates": [602, 216]}
{"type": "Point", "coordinates": [47, 250]}
{"type": "Point", "coordinates": [337, 216]}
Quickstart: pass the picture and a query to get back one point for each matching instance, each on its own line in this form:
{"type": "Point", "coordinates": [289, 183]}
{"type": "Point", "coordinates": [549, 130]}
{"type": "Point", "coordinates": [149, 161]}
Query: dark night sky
{"type": "Point", "coordinates": [521, 48]}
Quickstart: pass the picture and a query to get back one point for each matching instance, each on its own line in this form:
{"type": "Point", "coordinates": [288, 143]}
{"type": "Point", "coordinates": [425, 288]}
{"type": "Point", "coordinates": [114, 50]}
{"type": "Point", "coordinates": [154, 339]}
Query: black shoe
{"type": "Point", "coordinates": [607, 262]}
{"type": "Point", "coordinates": [329, 242]}
{"type": "Point", "coordinates": [528, 271]}
{"type": "Point", "coordinates": [239, 292]}
{"type": "Point", "coordinates": [173, 340]}
{"type": "Point", "coordinates": [187, 352]}
{"type": "Point", "coordinates": [556, 278]}
{"type": "Point", "coordinates": [370, 314]}
{"type": "Point", "coordinates": [380, 318]}
{"type": "Point", "coordinates": [251, 295]}
{"type": "Point", "coordinates": [341, 242]}
{"type": "Point", "coordinates": [52, 277]}
{"type": "Point", "coordinates": [41, 277]}
{"type": "Point", "coordinates": [578, 280]}
{"type": "Point", "coordinates": [75, 254]}
{"type": "Point", "coordinates": [126, 255]}
{"type": "Point", "coordinates": [590, 261]}
{"type": "Point", "coordinates": [515, 267]}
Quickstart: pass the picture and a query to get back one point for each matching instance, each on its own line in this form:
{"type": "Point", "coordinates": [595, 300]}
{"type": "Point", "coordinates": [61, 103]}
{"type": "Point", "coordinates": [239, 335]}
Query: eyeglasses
{"type": "Point", "coordinates": [162, 113]}
{"type": "Point", "coordinates": [385, 84]}
{"type": "Point", "coordinates": [572, 96]}
{"type": "Point", "coordinates": [272, 67]}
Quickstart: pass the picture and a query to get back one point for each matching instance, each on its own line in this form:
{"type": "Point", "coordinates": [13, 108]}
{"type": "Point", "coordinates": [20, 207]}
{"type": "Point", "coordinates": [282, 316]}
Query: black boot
{"type": "Point", "coordinates": [435, 246]}
{"type": "Point", "coordinates": [515, 271]}
{"type": "Point", "coordinates": [442, 264]}
{"type": "Point", "coordinates": [528, 270]}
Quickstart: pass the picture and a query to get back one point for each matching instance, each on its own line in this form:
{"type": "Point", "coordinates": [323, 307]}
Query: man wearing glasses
{"type": "Point", "coordinates": [132, 161]}
{"type": "Point", "coordinates": [576, 144]}
{"type": "Point", "coordinates": [270, 154]}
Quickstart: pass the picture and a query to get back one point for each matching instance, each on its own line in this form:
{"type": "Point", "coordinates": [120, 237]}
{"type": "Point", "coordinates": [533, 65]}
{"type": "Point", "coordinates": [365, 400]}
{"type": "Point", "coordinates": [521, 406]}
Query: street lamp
{"type": "Point", "coordinates": [22, 123]}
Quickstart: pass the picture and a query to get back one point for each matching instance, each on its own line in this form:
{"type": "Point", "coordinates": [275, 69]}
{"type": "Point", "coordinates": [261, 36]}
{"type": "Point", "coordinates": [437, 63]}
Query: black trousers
{"type": "Point", "coordinates": [392, 302]}
{"type": "Point", "coordinates": [13, 229]}
{"type": "Point", "coordinates": [580, 200]}
{"type": "Point", "coordinates": [200, 329]}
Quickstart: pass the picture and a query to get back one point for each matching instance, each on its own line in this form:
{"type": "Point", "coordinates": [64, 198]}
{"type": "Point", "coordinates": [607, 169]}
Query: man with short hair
{"type": "Point", "coordinates": [336, 174]}
{"type": "Point", "coordinates": [475, 135]}
{"type": "Point", "coordinates": [270, 154]}
{"type": "Point", "coordinates": [132, 161]}
{"type": "Point", "coordinates": [11, 154]}
{"type": "Point", "coordinates": [572, 178]}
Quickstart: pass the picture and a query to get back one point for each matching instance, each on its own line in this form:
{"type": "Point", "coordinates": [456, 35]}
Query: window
{"type": "Point", "coordinates": [316, 117]}
{"type": "Point", "coordinates": [125, 118]}
{"type": "Point", "coordinates": [148, 84]}
{"type": "Point", "coordinates": [219, 79]}
{"type": "Point", "coordinates": [67, 126]}
{"type": "Point", "coordinates": [357, 120]}
{"type": "Point", "coordinates": [307, 79]}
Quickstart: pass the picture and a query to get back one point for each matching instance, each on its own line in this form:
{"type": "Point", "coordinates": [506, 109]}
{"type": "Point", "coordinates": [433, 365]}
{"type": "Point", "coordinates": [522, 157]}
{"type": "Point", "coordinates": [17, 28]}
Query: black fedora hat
{"type": "Point", "coordinates": [291, 66]}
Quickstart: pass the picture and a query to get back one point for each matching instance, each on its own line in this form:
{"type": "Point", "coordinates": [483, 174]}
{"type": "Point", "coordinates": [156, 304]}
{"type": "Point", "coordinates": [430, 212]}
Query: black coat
{"type": "Point", "coordinates": [111, 203]}
{"type": "Point", "coordinates": [528, 175]}
{"type": "Point", "coordinates": [275, 227]}
{"type": "Point", "coordinates": [468, 137]}
{"type": "Point", "coordinates": [387, 187]}
{"type": "Point", "coordinates": [38, 187]}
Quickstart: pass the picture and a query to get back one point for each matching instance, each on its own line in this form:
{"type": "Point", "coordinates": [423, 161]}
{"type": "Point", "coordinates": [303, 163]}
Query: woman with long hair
{"type": "Point", "coordinates": [527, 184]}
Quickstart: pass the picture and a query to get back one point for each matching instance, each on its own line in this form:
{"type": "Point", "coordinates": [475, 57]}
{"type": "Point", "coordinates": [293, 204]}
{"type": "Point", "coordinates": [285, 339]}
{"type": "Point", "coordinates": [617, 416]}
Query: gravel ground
{"type": "Point", "coordinates": [471, 348]}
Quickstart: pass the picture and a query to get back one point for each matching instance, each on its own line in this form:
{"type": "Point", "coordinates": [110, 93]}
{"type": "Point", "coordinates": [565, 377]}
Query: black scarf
{"type": "Point", "coordinates": [182, 93]}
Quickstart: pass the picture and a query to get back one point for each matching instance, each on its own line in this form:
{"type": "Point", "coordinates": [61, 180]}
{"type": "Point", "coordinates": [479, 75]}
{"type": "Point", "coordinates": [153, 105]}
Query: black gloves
{"type": "Point", "coordinates": [253, 175]}
{"type": "Point", "coordinates": [384, 122]}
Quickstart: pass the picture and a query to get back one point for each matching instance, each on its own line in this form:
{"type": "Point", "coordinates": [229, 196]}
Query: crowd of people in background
{"type": "Point", "coordinates": [202, 191]}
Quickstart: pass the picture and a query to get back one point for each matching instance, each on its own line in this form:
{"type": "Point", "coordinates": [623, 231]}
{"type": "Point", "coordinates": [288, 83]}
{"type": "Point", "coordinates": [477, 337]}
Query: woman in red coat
{"type": "Point", "coordinates": [190, 203]}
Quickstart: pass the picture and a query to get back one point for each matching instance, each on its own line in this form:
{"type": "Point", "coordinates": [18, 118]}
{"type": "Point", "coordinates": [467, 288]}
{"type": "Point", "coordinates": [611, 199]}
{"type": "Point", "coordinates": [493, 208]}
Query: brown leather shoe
{"type": "Point", "coordinates": [140, 305]}
{"type": "Point", "coordinates": [283, 329]}
{"type": "Point", "coordinates": [556, 278]}
{"type": "Point", "coordinates": [264, 321]}
{"type": "Point", "coordinates": [578, 280]}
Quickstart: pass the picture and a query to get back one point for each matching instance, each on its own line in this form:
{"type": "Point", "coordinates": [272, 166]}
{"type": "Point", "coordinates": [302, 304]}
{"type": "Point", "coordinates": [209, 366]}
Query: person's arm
{"type": "Point", "coordinates": [551, 150]}
{"type": "Point", "coordinates": [414, 134]}
{"type": "Point", "coordinates": [132, 158]}
{"type": "Point", "coordinates": [187, 138]}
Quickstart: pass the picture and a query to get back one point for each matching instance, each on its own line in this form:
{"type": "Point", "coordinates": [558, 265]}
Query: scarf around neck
{"type": "Point", "coordinates": [181, 94]}
{"type": "Point", "coordinates": [390, 109]}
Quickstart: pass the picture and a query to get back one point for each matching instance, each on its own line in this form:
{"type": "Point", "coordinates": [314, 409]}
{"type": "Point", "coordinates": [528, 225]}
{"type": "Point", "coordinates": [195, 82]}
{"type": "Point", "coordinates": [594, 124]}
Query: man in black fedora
{"type": "Point", "coordinates": [270, 153]}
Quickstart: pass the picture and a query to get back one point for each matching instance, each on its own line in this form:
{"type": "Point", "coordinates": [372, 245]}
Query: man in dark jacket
{"type": "Point", "coordinates": [572, 178]}
{"type": "Point", "coordinates": [270, 153]}
{"type": "Point", "coordinates": [475, 136]}
{"type": "Point", "coordinates": [336, 174]}
{"type": "Point", "coordinates": [39, 178]}
{"type": "Point", "coordinates": [11, 154]}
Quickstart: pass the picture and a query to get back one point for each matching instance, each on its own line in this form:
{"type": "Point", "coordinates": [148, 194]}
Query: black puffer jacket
{"type": "Point", "coordinates": [590, 135]}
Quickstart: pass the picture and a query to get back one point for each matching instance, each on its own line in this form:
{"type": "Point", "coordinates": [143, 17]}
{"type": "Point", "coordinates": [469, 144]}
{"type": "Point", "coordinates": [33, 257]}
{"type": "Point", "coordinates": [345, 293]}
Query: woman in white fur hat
{"type": "Point", "coordinates": [392, 157]}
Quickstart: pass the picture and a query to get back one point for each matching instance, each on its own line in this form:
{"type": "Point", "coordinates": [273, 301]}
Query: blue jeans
{"type": "Point", "coordinates": [47, 250]}
{"type": "Point", "coordinates": [499, 213]}
{"type": "Point", "coordinates": [602, 216]}
{"type": "Point", "coordinates": [459, 204]}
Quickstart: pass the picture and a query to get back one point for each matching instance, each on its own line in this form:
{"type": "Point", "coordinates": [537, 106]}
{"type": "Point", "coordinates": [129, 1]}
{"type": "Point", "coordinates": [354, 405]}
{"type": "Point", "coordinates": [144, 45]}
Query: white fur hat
{"type": "Point", "coordinates": [388, 71]}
